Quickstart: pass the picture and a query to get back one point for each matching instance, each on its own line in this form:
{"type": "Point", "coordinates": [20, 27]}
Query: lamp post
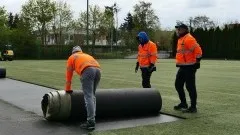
{"type": "Point", "coordinates": [92, 48]}
{"type": "Point", "coordinates": [110, 11]}
{"type": "Point", "coordinates": [114, 10]}
{"type": "Point", "coordinates": [87, 25]}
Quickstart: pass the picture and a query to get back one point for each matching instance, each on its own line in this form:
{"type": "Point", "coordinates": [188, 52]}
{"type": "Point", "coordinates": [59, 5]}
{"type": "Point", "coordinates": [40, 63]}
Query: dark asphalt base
{"type": "Point", "coordinates": [15, 121]}
{"type": "Point", "coordinates": [21, 114]}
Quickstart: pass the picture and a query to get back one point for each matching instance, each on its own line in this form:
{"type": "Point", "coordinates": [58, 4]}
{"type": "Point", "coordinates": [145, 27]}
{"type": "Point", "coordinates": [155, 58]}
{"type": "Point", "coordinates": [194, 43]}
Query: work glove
{"type": "Point", "coordinates": [198, 60]}
{"type": "Point", "coordinates": [137, 66]}
{"type": "Point", "coordinates": [151, 68]}
{"type": "Point", "coordinates": [197, 65]}
{"type": "Point", "coordinates": [69, 91]}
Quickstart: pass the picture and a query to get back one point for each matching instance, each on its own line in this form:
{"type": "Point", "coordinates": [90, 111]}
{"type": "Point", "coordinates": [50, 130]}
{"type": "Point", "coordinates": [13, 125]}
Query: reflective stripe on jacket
{"type": "Point", "coordinates": [147, 54]}
{"type": "Point", "coordinates": [78, 62]}
{"type": "Point", "coordinates": [187, 50]}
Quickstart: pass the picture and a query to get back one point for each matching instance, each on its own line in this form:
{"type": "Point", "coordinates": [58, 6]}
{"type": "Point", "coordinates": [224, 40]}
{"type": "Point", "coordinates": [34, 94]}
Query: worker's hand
{"type": "Point", "coordinates": [197, 65]}
{"type": "Point", "coordinates": [69, 91]}
{"type": "Point", "coordinates": [198, 60]}
{"type": "Point", "coordinates": [151, 68]}
{"type": "Point", "coordinates": [137, 66]}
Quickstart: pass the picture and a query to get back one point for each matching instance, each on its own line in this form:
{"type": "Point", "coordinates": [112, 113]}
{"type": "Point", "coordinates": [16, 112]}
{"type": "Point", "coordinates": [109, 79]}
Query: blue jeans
{"type": "Point", "coordinates": [90, 79]}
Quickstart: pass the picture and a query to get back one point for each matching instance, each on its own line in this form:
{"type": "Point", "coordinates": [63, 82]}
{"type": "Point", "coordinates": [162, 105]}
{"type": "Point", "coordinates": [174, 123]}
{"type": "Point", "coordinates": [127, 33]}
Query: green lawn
{"type": "Point", "coordinates": [218, 86]}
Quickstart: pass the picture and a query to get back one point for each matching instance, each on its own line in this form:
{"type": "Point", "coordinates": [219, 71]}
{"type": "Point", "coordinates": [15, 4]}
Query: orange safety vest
{"type": "Point", "coordinates": [78, 62]}
{"type": "Point", "coordinates": [147, 54]}
{"type": "Point", "coordinates": [187, 50]}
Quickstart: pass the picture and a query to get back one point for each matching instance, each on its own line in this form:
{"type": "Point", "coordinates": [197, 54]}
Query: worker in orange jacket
{"type": "Point", "coordinates": [188, 57]}
{"type": "Point", "coordinates": [89, 70]}
{"type": "Point", "coordinates": [147, 57]}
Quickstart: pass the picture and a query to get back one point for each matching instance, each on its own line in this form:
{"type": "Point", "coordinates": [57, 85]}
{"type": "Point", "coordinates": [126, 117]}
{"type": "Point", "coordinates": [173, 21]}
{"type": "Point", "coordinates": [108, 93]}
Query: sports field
{"type": "Point", "coordinates": [218, 86]}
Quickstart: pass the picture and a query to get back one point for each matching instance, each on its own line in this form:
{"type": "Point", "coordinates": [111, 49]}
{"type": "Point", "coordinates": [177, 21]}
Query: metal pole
{"type": "Point", "coordinates": [112, 27]}
{"type": "Point", "coordinates": [116, 26]}
{"type": "Point", "coordinates": [87, 24]}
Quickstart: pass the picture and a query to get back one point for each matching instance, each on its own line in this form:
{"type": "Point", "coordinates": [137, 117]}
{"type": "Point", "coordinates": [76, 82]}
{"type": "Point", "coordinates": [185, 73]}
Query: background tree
{"type": "Point", "coordinates": [18, 34]}
{"type": "Point", "coordinates": [10, 20]}
{"type": "Point", "coordinates": [3, 16]}
{"type": "Point", "coordinates": [38, 13]}
{"type": "Point", "coordinates": [144, 17]}
{"type": "Point", "coordinates": [95, 23]}
{"type": "Point", "coordinates": [24, 41]}
{"type": "Point", "coordinates": [109, 20]}
{"type": "Point", "coordinates": [128, 25]}
{"type": "Point", "coordinates": [62, 19]}
{"type": "Point", "coordinates": [127, 33]}
{"type": "Point", "coordinates": [201, 22]}
{"type": "Point", "coordinates": [163, 39]}
{"type": "Point", "coordinates": [15, 21]}
{"type": "Point", "coordinates": [5, 31]}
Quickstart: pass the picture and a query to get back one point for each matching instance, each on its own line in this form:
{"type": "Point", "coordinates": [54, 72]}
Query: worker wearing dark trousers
{"type": "Point", "coordinates": [147, 57]}
{"type": "Point", "coordinates": [188, 56]}
{"type": "Point", "coordinates": [146, 75]}
{"type": "Point", "coordinates": [186, 75]}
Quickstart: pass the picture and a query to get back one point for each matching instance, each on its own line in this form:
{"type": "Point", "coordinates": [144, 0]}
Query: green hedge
{"type": "Point", "coordinates": [36, 51]}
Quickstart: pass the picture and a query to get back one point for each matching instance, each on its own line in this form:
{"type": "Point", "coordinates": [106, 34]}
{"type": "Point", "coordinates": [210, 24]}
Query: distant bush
{"type": "Point", "coordinates": [36, 51]}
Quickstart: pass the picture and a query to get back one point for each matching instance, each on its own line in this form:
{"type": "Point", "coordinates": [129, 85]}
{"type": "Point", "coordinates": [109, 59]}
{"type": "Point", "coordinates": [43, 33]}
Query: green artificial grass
{"type": "Point", "coordinates": [218, 86]}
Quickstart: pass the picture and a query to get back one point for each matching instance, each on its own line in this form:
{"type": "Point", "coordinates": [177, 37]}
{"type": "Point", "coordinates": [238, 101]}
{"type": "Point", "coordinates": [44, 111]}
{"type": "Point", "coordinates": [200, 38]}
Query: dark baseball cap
{"type": "Point", "coordinates": [181, 25]}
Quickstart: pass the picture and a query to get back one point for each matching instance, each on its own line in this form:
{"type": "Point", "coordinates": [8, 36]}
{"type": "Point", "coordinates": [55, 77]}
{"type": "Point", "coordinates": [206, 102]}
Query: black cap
{"type": "Point", "coordinates": [181, 25]}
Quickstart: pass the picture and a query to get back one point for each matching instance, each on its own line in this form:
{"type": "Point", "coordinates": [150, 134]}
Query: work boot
{"type": "Point", "coordinates": [89, 125]}
{"type": "Point", "coordinates": [181, 107]}
{"type": "Point", "coordinates": [190, 110]}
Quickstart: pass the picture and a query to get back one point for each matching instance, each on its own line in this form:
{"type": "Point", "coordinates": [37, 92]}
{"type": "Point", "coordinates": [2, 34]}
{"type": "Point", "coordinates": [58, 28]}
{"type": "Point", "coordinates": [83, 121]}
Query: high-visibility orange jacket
{"type": "Point", "coordinates": [147, 54]}
{"type": "Point", "coordinates": [78, 62]}
{"type": "Point", "coordinates": [187, 51]}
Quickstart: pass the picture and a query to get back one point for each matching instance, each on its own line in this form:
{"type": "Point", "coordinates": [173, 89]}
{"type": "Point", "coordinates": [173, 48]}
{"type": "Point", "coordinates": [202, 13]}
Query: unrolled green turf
{"type": "Point", "coordinates": [218, 86]}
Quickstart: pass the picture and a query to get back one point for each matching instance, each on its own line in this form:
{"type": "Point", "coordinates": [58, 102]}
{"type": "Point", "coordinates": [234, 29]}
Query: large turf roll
{"type": "Point", "coordinates": [59, 105]}
{"type": "Point", "coordinates": [56, 105]}
{"type": "Point", "coordinates": [2, 72]}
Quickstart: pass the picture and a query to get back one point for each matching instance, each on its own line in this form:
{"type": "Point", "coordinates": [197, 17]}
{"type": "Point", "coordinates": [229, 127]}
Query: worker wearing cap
{"type": "Point", "coordinates": [147, 57]}
{"type": "Point", "coordinates": [188, 56]}
{"type": "Point", "coordinates": [89, 70]}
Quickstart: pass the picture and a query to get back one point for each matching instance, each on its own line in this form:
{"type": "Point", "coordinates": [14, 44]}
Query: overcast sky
{"type": "Point", "coordinates": [168, 11]}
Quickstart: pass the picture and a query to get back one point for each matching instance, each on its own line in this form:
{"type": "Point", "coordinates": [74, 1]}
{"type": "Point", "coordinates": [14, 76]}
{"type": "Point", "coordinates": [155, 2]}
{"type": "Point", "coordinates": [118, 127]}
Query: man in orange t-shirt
{"type": "Point", "coordinates": [89, 70]}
